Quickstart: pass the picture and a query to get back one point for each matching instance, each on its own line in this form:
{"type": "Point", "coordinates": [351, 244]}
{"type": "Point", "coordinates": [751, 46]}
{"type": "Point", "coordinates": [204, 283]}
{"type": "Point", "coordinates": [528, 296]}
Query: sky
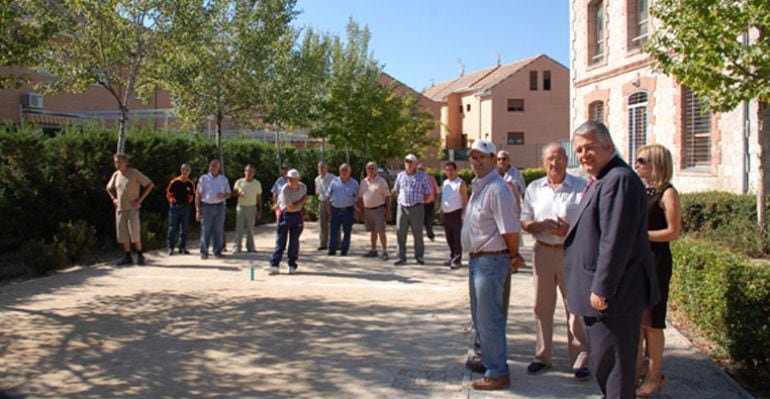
{"type": "Point", "coordinates": [421, 42]}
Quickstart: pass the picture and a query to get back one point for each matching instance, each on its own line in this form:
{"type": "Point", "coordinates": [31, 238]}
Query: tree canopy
{"type": "Point", "coordinates": [700, 42]}
{"type": "Point", "coordinates": [721, 51]}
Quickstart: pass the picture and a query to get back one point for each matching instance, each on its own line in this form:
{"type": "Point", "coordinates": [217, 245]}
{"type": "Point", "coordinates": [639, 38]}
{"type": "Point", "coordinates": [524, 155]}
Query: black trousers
{"type": "Point", "coordinates": [453, 226]}
{"type": "Point", "coordinates": [430, 214]}
{"type": "Point", "coordinates": [614, 342]}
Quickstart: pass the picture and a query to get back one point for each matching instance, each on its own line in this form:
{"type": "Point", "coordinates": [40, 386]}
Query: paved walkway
{"type": "Point", "coordinates": [343, 327]}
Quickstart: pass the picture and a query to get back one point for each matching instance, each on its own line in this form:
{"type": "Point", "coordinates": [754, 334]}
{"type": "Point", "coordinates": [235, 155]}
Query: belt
{"type": "Point", "coordinates": [549, 245]}
{"type": "Point", "coordinates": [474, 255]}
{"type": "Point", "coordinates": [377, 207]}
{"type": "Point", "coordinates": [412, 206]}
{"type": "Point", "coordinates": [217, 204]}
{"type": "Point", "coordinates": [343, 209]}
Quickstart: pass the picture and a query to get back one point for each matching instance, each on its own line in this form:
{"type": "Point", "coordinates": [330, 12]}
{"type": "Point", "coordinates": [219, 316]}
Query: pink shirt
{"type": "Point", "coordinates": [374, 193]}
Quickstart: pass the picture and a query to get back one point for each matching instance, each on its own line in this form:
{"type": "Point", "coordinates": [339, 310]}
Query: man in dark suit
{"type": "Point", "coordinates": [607, 261]}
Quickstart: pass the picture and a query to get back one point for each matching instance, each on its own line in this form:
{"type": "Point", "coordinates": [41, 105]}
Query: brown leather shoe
{"type": "Point", "coordinates": [475, 366]}
{"type": "Point", "coordinates": [491, 383]}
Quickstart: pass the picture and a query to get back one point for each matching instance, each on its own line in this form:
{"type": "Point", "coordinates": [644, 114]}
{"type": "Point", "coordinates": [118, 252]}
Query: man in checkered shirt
{"type": "Point", "coordinates": [413, 189]}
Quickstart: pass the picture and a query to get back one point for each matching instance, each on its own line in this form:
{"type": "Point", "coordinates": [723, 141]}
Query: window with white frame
{"type": "Point", "coordinates": [637, 123]}
{"type": "Point", "coordinates": [596, 111]}
{"type": "Point", "coordinates": [638, 12]}
{"type": "Point", "coordinates": [697, 131]}
{"type": "Point", "coordinates": [596, 32]}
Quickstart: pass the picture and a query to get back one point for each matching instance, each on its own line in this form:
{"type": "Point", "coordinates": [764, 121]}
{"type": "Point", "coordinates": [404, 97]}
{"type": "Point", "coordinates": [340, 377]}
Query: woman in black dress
{"type": "Point", "coordinates": [664, 218]}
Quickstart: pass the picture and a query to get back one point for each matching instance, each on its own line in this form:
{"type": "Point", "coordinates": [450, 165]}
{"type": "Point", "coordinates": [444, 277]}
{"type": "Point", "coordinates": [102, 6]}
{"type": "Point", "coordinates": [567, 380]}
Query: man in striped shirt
{"type": "Point", "coordinates": [413, 189]}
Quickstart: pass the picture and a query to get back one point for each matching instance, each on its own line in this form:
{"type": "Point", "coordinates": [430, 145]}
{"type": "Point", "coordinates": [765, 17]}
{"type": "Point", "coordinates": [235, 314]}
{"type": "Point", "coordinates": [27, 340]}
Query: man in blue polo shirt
{"type": "Point", "coordinates": [213, 189]}
{"type": "Point", "coordinates": [342, 194]}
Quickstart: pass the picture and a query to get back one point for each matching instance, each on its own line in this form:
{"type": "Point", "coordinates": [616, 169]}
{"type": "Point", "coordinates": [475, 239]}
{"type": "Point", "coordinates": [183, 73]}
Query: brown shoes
{"type": "Point", "coordinates": [491, 383]}
{"type": "Point", "coordinates": [475, 366]}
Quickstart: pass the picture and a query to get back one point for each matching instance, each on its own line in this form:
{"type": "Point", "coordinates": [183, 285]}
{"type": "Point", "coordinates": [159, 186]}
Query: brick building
{"type": "Point", "coordinates": [519, 106]}
{"type": "Point", "coordinates": [613, 82]}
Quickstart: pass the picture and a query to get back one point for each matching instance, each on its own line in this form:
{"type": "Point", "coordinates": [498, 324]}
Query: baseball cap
{"type": "Point", "coordinates": [293, 174]}
{"type": "Point", "coordinates": [410, 158]}
{"type": "Point", "coordinates": [284, 166]}
{"type": "Point", "coordinates": [484, 146]}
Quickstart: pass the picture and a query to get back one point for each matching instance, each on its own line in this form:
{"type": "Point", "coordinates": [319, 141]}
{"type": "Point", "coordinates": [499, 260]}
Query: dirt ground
{"type": "Point", "coordinates": [349, 327]}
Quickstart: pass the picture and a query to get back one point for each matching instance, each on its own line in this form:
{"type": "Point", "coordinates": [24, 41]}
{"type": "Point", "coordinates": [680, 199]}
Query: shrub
{"type": "Point", "coordinates": [154, 228]}
{"type": "Point", "coordinates": [76, 239]}
{"type": "Point", "coordinates": [40, 257]}
{"type": "Point", "coordinates": [723, 218]}
{"type": "Point", "coordinates": [532, 174]}
{"type": "Point", "coordinates": [728, 297]}
{"type": "Point", "coordinates": [310, 211]}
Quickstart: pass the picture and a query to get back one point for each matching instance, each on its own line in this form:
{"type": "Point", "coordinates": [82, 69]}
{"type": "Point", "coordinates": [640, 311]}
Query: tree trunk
{"type": "Point", "coordinates": [762, 134]}
{"type": "Point", "coordinates": [220, 152]}
{"type": "Point", "coordinates": [122, 130]}
{"type": "Point", "coordinates": [278, 146]}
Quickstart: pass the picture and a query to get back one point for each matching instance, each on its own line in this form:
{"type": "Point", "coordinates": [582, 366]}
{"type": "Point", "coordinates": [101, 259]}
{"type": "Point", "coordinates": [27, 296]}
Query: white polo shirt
{"type": "Point", "coordinates": [542, 202]}
{"type": "Point", "coordinates": [489, 215]}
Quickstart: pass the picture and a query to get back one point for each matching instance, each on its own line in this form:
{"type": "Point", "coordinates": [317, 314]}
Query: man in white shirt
{"type": "Point", "coordinates": [490, 234]}
{"type": "Point", "coordinates": [550, 206]}
{"type": "Point", "coordinates": [322, 183]}
{"type": "Point", "coordinates": [511, 174]}
{"type": "Point", "coordinates": [213, 190]}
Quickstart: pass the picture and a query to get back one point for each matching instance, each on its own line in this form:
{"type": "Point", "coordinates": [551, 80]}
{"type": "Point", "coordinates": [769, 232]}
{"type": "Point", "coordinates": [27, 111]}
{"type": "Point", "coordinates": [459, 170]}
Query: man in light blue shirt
{"type": "Point", "coordinates": [277, 186]}
{"type": "Point", "coordinates": [213, 189]}
{"type": "Point", "coordinates": [342, 194]}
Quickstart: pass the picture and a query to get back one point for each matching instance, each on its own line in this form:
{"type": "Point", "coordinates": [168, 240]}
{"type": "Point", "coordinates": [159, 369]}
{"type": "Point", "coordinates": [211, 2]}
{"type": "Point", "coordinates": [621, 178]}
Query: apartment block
{"type": "Point", "coordinates": [520, 107]}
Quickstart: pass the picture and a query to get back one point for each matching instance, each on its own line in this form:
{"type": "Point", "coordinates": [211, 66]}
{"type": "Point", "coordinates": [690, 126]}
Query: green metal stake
{"type": "Point", "coordinates": [251, 266]}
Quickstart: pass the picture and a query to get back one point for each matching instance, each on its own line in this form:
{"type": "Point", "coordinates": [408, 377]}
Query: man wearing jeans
{"type": "Point", "coordinates": [181, 195]}
{"type": "Point", "coordinates": [290, 224]}
{"type": "Point", "coordinates": [343, 195]}
{"type": "Point", "coordinates": [213, 190]}
{"type": "Point", "coordinates": [491, 236]}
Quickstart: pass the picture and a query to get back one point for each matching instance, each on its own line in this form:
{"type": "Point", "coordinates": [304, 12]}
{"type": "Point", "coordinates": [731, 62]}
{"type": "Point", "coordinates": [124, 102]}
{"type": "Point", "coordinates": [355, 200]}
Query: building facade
{"type": "Point", "coordinates": [613, 82]}
{"type": "Point", "coordinates": [520, 107]}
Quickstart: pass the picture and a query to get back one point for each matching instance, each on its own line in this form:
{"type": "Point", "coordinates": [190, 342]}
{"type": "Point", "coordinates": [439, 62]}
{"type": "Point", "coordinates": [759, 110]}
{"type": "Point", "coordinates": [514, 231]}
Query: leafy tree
{"type": "Point", "coordinates": [364, 115]}
{"type": "Point", "coordinates": [108, 43]}
{"type": "Point", "coordinates": [222, 70]}
{"type": "Point", "coordinates": [21, 39]}
{"type": "Point", "coordinates": [297, 82]}
{"type": "Point", "coordinates": [721, 51]}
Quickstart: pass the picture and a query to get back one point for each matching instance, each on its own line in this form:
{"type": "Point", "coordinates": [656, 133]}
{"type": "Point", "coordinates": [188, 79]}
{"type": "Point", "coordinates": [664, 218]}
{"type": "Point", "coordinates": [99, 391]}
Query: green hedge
{"type": "Point", "coordinates": [46, 181]}
{"type": "Point", "coordinates": [726, 219]}
{"type": "Point", "coordinates": [728, 297]}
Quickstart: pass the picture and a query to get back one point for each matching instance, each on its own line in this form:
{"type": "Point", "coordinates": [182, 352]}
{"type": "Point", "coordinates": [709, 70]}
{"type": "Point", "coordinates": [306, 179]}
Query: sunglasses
{"type": "Point", "coordinates": [641, 161]}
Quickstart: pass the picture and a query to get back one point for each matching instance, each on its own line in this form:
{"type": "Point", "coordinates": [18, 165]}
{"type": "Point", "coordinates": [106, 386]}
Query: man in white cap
{"type": "Point", "coordinates": [490, 234]}
{"type": "Point", "coordinates": [290, 202]}
{"type": "Point", "coordinates": [412, 189]}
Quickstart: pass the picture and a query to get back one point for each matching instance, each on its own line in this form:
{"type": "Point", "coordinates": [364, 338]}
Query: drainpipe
{"type": "Point", "coordinates": [746, 132]}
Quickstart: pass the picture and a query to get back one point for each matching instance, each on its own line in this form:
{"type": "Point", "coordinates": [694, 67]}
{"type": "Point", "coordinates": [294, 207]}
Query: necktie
{"type": "Point", "coordinates": [591, 181]}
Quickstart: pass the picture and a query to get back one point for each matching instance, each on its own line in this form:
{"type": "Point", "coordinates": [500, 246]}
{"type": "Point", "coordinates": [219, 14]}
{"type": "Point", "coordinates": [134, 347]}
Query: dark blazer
{"type": "Point", "coordinates": [607, 249]}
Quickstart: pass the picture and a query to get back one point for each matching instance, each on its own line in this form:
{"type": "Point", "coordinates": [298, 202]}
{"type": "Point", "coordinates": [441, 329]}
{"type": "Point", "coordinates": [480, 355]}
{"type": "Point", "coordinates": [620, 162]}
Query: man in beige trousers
{"type": "Point", "coordinates": [550, 205]}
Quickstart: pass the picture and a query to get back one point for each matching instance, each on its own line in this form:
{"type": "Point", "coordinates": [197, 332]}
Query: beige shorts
{"type": "Point", "coordinates": [127, 226]}
{"type": "Point", "coordinates": [374, 219]}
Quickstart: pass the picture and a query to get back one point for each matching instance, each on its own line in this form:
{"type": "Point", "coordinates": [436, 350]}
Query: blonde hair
{"type": "Point", "coordinates": [661, 164]}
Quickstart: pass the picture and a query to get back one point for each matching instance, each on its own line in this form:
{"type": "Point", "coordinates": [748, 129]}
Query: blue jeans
{"type": "Point", "coordinates": [344, 217]}
{"type": "Point", "coordinates": [212, 228]}
{"type": "Point", "coordinates": [289, 224]}
{"type": "Point", "coordinates": [178, 220]}
{"type": "Point", "coordinates": [487, 281]}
